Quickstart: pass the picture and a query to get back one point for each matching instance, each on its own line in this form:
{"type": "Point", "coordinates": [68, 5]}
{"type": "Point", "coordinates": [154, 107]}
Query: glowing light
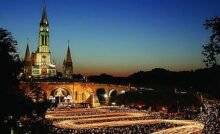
{"type": "Point", "coordinates": [115, 118]}
{"type": "Point", "coordinates": [106, 96]}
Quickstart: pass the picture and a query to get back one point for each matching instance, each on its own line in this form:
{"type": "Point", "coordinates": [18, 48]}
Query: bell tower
{"type": "Point", "coordinates": [42, 66]}
{"type": "Point", "coordinates": [43, 39]}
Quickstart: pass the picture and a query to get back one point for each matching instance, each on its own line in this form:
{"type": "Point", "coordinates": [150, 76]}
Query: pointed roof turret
{"type": "Point", "coordinates": [68, 56]}
{"type": "Point", "coordinates": [64, 62]}
{"type": "Point", "coordinates": [44, 15]}
{"type": "Point", "coordinates": [27, 54]}
{"type": "Point", "coordinates": [68, 64]}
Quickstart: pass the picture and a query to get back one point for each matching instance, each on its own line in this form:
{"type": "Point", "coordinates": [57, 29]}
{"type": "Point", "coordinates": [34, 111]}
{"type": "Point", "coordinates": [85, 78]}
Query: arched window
{"type": "Point", "coordinates": [45, 40]}
{"type": "Point", "coordinates": [101, 95]}
{"type": "Point", "coordinates": [76, 95]}
{"type": "Point", "coordinates": [83, 97]}
{"type": "Point", "coordinates": [42, 40]}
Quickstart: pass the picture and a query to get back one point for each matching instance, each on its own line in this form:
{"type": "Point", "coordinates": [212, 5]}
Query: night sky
{"type": "Point", "coordinates": [117, 37]}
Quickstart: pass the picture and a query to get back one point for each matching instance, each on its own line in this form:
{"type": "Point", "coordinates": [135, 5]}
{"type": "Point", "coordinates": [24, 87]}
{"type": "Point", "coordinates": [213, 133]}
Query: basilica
{"type": "Point", "coordinates": [38, 68]}
{"type": "Point", "coordinates": [38, 64]}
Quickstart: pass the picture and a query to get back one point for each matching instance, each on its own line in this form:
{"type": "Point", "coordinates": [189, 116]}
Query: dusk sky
{"type": "Point", "coordinates": [117, 37]}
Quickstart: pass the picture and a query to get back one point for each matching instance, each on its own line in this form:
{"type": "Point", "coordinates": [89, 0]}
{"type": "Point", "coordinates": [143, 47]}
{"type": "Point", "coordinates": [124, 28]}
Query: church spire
{"type": "Point", "coordinates": [27, 63]}
{"type": "Point", "coordinates": [27, 57]}
{"type": "Point", "coordinates": [68, 64]}
{"type": "Point", "coordinates": [44, 20]}
{"type": "Point", "coordinates": [43, 40]}
{"type": "Point", "coordinates": [68, 55]}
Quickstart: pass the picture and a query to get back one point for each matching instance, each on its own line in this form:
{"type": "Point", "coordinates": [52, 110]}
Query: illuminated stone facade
{"type": "Point", "coordinates": [71, 92]}
{"type": "Point", "coordinates": [39, 64]}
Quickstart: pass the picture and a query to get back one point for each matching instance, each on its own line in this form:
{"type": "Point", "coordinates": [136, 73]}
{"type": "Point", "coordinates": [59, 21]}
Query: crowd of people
{"type": "Point", "coordinates": [130, 129]}
{"type": "Point", "coordinates": [210, 117]}
{"type": "Point", "coordinates": [105, 113]}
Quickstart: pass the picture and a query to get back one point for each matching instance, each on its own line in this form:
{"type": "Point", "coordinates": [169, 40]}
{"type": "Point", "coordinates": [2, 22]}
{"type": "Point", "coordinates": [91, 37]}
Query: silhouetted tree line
{"type": "Point", "coordinates": [159, 98]}
{"type": "Point", "coordinates": [205, 80]}
{"type": "Point", "coordinates": [108, 79]}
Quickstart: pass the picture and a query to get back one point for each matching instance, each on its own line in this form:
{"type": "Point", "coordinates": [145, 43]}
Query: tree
{"type": "Point", "coordinates": [9, 58]}
{"type": "Point", "coordinates": [11, 101]}
{"type": "Point", "coordinates": [211, 50]}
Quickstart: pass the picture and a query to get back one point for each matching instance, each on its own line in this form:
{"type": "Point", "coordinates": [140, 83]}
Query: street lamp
{"type": "Point", "coordinates": [29, 77]}
{"type": "Point", "coordinates": [105, 95]}
{"type": "Point", "coordinates": [106, 98]}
